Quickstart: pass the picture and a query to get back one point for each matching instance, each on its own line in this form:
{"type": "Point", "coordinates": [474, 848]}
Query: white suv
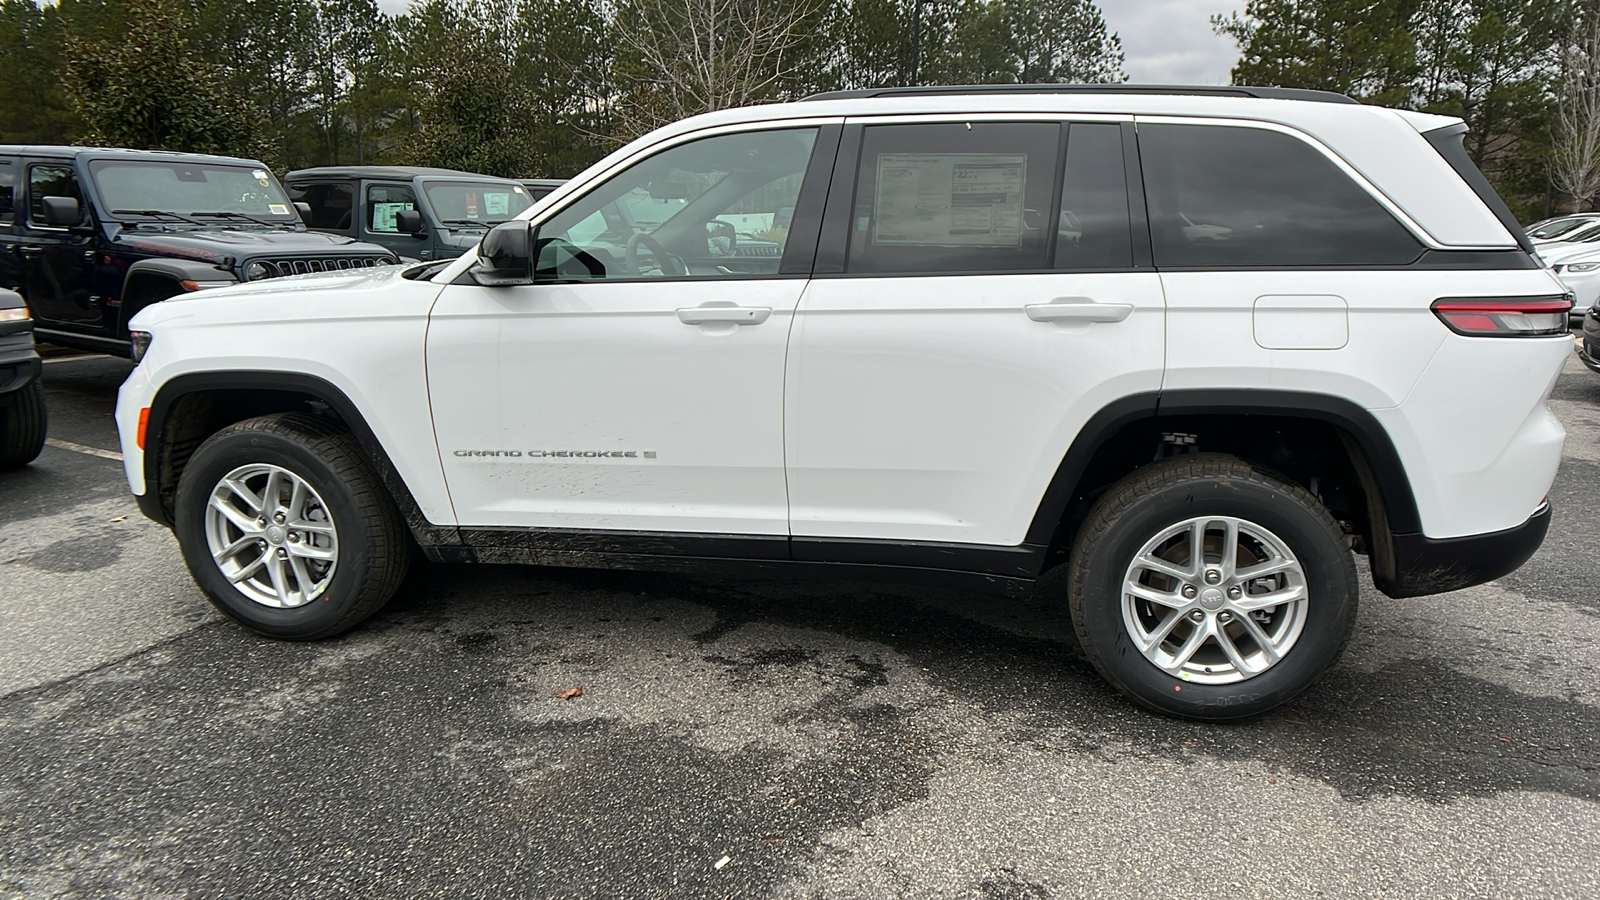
{"type": "Point", "coordinates": [959, 335]}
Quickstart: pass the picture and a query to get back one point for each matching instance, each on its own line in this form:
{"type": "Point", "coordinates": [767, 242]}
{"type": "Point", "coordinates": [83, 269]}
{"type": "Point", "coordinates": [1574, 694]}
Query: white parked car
{"type": "Point", "coordinates": [1581, 274]}
{"type": "Point", "coordinates": [1553, 229]}
{"type": "Point", "coordinates": [930, 371]}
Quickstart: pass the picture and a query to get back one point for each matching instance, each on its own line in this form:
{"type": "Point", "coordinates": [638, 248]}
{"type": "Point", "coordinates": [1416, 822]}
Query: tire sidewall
{"type": "Point", "coordinates": [1330, 581]}
{"type": "Point", "coordinates": [227, 451]}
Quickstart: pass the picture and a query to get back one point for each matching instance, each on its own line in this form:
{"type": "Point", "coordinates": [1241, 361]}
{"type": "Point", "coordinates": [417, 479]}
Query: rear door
{"type": "Point", "coordinates": [977, 297]}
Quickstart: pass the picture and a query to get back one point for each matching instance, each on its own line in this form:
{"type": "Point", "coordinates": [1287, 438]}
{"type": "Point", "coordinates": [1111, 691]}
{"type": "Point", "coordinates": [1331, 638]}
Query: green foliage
{"type": "Point", "coordinates": [1490, 62]}
{"type": "Point", "coordinates": [111, 79]}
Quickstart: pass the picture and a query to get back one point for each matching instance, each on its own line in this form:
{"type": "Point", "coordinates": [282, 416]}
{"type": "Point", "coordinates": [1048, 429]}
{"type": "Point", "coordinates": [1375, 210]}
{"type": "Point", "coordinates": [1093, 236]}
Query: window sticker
{"type": "Point", "coordinates": [384, 215]}
{"type": "Point", "coordinates": [278, 209]}
{"type": "Point", "coordinates": [496, 204]}
{"type": "Point", "coordinates": [262, 176]}
{"type": "Point", "coordinates": [960, 199]}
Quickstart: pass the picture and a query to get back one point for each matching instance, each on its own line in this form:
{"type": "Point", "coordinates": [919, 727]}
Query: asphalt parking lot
{"type": "Point", "coordinates": [734, 739]}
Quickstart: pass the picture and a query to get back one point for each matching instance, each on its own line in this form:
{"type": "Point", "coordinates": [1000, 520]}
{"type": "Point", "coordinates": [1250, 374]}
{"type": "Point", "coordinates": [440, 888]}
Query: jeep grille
{"type": "Point", "coordinates": [277, 268]}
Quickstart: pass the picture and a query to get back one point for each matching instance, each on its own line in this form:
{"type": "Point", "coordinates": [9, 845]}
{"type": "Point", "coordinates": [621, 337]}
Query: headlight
{"type": "Point", "coordinates": [1583, 267]}
{"type": "Point", "coordinates": [256, 271]}
{"type": "Point", "coordinates": [141, 344]}
{"type": "Point", "coordinates": [18, 314]}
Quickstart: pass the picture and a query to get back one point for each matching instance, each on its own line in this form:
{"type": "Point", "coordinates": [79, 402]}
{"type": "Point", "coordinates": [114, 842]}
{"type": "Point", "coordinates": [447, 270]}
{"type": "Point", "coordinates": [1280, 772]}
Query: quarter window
{"type": "Point", "coordinates": [717, 207]}
{"type": "Point", "coordinates": [50, 181]}
{"type": "Point", "coordinates": [958, 197]}
{"type": "Point", "coordinates": [384, 203]}
{"type": "Point", "coordinates": [1233, 196]}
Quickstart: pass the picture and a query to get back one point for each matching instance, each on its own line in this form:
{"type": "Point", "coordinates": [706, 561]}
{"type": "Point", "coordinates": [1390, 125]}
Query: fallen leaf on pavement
{"type": "Point", "coordinates": [571, 693]}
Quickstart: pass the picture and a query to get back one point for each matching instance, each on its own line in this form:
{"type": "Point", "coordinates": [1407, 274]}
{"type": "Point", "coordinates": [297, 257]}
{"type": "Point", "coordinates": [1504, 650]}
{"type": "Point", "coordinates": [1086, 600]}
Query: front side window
{"type": "Point", "coordinates": [716, 207]}
{"type": "Point", "coordinates": [50, 181]}
{"type": "Point", "coordinates": [958, 197]}
{"type": "Point", "coordinates": [135, 189]}
{"type": "Point", "coordinates": [332, 205]}
{"type": "Point", "coordinates": [384, 204]}
{"type": "Point", "coordinates": [1225, 196]}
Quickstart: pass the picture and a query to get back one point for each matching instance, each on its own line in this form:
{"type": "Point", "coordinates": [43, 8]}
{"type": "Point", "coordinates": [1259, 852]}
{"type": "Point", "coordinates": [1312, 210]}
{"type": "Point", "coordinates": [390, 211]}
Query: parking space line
{"type": "Point", "coordinates": [56, 359]}
{"type": "Point", "coordinates": [79, 448]}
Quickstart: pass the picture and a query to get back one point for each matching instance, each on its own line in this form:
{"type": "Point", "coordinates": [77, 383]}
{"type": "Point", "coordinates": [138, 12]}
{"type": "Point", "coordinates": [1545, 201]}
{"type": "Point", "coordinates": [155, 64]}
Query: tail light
{"type": "Point", "coordinates": [1505, 316]}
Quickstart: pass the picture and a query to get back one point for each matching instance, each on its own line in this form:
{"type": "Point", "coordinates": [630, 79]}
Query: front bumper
{"type": "Point", "coordinates": [1589, 347]}
{"type": "Point", "coordinates": [19, 362]}
{"type": "Point", "coordinates": [1422, 565]}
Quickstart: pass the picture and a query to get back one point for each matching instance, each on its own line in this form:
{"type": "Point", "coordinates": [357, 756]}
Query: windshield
{"type": "Point", "coordinates": [471, 202]}
{"type": "Point", "coordinates": [143, 187]}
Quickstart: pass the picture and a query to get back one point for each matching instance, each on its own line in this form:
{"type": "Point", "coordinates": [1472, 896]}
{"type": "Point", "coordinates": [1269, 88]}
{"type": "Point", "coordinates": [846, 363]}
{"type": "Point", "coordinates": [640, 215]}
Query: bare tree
{"type": "Point", "coordinates": [1576, 158]}
{"type": "Point", "coordinates": [683, 57]}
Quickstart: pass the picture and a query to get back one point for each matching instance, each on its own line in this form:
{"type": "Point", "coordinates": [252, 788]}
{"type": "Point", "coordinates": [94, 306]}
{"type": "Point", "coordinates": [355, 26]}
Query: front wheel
{"type": "Point", "coordinates": [23, 424]}
{"type": "Point", "coordinates": [1206, 588]}
{"type": "Point", "coordinates": [286, 528]}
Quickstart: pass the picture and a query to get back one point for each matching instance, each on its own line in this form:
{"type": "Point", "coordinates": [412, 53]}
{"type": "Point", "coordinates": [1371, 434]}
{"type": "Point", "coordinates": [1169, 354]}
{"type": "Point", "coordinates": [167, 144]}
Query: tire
{"type": "Point", "coordinates": [23, 424]}
{"type": "Point", "coordinates": [1139, 604]}
{"type": "Point", "coordinates": [341, 548]}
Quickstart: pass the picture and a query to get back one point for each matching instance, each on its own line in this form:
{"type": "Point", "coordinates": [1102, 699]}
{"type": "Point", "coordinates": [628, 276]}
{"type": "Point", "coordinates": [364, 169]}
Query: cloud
{"type": "Point", "coordinates": [1170, 41]}
{"type": "Point", "coordinates": [1165, 41]}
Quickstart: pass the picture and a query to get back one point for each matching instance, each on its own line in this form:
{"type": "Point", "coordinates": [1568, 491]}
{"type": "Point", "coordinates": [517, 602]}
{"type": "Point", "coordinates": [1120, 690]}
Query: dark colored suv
{"type": "Point", "coordinates": [417, 212]}
{"type": "Point", "coordinates": [93, 235]}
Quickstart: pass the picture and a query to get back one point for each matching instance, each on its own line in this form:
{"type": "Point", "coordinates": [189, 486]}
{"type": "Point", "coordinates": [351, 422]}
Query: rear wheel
{"type": "Point", "coordinates": [1206, 588]}
{"type": "Point", "coordinates": [285, 527]}
{"type": "Point", "coordinates": [23, 424]}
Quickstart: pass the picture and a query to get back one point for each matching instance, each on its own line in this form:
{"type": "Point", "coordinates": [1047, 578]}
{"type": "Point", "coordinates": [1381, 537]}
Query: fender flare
{"type": "Point", "coordinates": [176, 271]}
{"type": "Point", "coordinates": [428, 534]}
{"type": "Point", "coordinates": [1395, 509]}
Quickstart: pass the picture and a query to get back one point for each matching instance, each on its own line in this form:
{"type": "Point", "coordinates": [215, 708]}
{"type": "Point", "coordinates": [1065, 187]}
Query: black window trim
{"type": "Point", "coordinates": [8, 218]}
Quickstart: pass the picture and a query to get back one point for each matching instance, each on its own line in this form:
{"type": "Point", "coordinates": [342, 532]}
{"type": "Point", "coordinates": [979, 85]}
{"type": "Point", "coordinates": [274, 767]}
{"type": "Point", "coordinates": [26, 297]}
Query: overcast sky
{"type": "Point", "coordinates": [1166, 41]}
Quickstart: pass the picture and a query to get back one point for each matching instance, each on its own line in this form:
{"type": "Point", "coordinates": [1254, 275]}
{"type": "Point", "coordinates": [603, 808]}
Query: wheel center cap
{"type": "Point", "coordinates": [1211, 598]}
{"type": "Point", "coordinates": [274, 534]}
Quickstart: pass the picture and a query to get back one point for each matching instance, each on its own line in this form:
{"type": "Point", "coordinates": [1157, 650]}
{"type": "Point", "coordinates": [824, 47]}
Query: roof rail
{"type": "Point", "coordinates": [1263, 93]}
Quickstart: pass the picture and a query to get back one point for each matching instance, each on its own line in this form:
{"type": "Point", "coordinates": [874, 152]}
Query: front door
{"type": "Point", "coordinates": [976, 301]}
{"type": "Point", "coordinates": [641, 388]}
{"type": "Point", "coordinates": [58, 262]}
{"type": "Point", "coordinates": [381, 205]}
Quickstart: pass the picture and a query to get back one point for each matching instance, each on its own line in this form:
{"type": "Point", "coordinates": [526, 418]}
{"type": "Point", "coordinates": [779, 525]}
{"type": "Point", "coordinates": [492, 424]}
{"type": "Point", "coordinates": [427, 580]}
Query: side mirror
{"type": "Point", "coordinates": [409, 221]}
{"type": "Point", "coordinates": [304, 209]}
{"type": "Point", "coordinates": [505, 255]}
{"type": "Point", "coordinates": [61, 212]}
{"type": "Point", "coordinates": [721, 237]}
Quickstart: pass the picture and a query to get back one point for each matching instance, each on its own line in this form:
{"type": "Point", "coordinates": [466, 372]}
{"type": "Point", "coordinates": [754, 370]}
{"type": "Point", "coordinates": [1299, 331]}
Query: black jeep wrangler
{"type": "Point", "coordinates": [92, 236]}
{"type": "Point", "coordinates": [22, 413]}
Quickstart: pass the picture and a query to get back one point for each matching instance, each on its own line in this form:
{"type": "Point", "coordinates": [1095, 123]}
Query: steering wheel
{"type": "Point", "coordinates": [668, 264]}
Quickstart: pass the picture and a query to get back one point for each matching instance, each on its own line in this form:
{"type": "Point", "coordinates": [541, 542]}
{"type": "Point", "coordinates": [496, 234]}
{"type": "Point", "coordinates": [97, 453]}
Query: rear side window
{"type": "Point", "coordinates": [1230, 196]}
{"type": "Point", "coordinates": [332, 205]}
{"type": "Point", "coordinates": [959, 197]}
{"type": "Point", "coordinates": [384, 204]}
{"type": "Point", "coordinates": [8, 190]}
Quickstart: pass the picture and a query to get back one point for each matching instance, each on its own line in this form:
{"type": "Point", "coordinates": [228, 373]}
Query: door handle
{"type": "Point", "coordinates": [32, 251]}
{"type": "Point", "coordinates": [729, 315]}
{"type": "Point", "coordinates": [1078, 309]}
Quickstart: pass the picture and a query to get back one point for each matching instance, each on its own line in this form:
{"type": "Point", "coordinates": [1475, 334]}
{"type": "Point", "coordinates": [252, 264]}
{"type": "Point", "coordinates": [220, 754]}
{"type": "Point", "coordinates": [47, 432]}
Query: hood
{"type": "Point", "coordinates": [300, 284]}
{"type": "Point", "coordinates": [212, 245]}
